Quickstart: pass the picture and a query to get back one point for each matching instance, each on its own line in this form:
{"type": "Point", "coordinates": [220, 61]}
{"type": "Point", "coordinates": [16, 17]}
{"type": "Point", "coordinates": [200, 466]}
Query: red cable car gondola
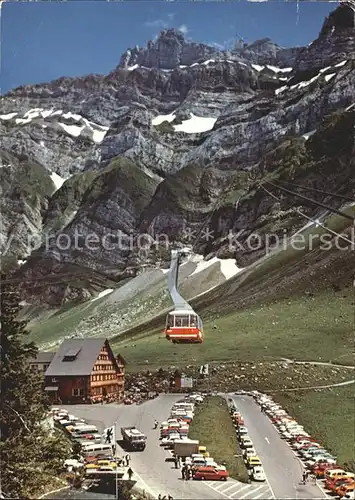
{"type": "Point", "coordinates": [183, 325]}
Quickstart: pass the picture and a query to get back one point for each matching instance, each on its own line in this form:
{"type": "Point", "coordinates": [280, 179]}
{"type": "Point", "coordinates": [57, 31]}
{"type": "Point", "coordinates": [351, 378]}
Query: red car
{"type": "Point", "coordinates": [210, 474]}
{"type": "Point", "coordinates": [301, 437]}
{"type": "Point", "coordinates": [319, 469]}
{"type": "Point", "coordinates": [332, 484]}
{"type": "Point", "coordinates": [88, 436]}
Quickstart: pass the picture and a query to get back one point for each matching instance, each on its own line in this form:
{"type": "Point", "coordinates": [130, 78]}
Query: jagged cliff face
{"type": "Point", "coordinates": [153, 146]}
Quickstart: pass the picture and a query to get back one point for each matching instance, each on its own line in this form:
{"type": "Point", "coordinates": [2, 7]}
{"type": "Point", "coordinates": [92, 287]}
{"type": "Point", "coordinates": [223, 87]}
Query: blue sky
{"type": "Point", "coordinates": [42, 41]}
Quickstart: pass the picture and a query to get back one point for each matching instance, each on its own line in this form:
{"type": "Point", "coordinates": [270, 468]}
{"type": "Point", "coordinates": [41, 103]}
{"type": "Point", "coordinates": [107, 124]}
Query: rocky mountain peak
{"type": "Point", "coordinates": [171, 35]}
{"type": "Point", "coordinates": [168, 51]}
{"type": "Point", "coordinates": [342, 18]}
{"type": "Point", "coordinates": [335, 43]}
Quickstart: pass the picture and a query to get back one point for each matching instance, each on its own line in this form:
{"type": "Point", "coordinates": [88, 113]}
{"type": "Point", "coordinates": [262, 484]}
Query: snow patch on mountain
{"type": "Point", "coordinates": [308, 134]}
{"type": "Point", "coordinates": [163, 118]}
{"type": "Point", "coordinates": [329, 77]}
{"type": "Point", "coordinates": [195, 125]}
{"type": "Point", "coordinates": [57, 119]}
{"type": "Point", "coordinates": [257, 67]}
{"type": "Point", "coordinates": [102, 294]}
{"type": "Point", "coordinates": [339, 65]}
{"type": "Point", "coordinates": [8, 116]}
{"type": "Point", "coordinates": [278, 70]}
{"type": "Point", "coordinates": [57, 180]}
{"type": "Point", "coordinates": [228, 266]}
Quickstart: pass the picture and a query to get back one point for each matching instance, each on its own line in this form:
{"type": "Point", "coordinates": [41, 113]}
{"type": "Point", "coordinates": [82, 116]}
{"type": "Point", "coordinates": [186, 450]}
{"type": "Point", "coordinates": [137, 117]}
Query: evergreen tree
{"type": "Point", "coordinates": [28, 452]}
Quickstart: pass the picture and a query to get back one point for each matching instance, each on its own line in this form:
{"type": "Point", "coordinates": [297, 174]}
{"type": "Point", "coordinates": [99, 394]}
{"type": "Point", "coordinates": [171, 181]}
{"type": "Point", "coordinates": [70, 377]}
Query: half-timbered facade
{"type": "Point", "coordinates": [85, 370]}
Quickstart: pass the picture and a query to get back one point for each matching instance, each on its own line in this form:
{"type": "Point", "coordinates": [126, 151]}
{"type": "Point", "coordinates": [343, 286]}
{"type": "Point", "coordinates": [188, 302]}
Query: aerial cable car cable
{"type": "Point", "coordinates": [335, 195]}
{"type": "Point", "coordinates": [323, 205]}
{"type": "Point", "coordinates": [176, 330]}
{"type": "Point", "coordinates": [317, 222]}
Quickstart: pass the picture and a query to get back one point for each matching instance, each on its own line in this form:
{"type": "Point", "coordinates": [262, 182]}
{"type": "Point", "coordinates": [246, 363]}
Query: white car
{"type": "Point", "coordinates": [246, 443]}
{"type": "Point", "coordinates": [72, 462]}
{"type": "Point", "coordinates": [329, 459]}
{"type": "Point", "coordinates": [249, 452]}
{"type": "Point", "coordinates": [170, 439]}
{"type": "Point", "coordinates": [210, 462]}
{"type": "Point", "coordinates": [258, 474]}
{"type": "Point", "coordinates": [242, 430]}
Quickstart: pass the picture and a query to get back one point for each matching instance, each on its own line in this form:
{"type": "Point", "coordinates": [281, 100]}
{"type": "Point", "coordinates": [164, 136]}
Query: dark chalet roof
{"type": "Point", "coordinates": [43, 357]}
{"type": "Point", "coordinates": [76, 357]}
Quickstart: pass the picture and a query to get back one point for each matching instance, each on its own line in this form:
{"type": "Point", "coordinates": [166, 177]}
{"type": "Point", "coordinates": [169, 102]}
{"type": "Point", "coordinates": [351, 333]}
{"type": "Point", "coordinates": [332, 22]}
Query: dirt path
{"type": "Point", "coordinates": [320, 363]}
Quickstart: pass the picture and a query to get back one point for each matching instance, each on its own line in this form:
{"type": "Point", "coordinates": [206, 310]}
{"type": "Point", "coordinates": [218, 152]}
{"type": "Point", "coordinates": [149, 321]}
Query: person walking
{"type": "Point", "coordinates": [156, 423]}
{"type": "Point", "coordinates": [128, 459]}
{"type": "Point", "coordinates": [183, 472]}
{"type": "Point", "coordinates": [130, 473]}
{"type": "Point", "coordinates": [176, 462]}
{"type": "Point", "coordinates": [304, 477]}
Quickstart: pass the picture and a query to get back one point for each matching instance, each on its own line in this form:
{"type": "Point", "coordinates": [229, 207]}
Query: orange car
{"type": "Point", "coordinates": [333, 485]}
{"type": "Point", "coordinates": [343, 490]}
{"type": "Point", "coordinates": [210, 474]}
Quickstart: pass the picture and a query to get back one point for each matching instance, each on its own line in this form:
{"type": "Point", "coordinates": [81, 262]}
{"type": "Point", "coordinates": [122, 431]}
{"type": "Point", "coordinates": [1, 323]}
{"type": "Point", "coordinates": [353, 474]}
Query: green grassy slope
{"type": "Point", "coordinates": [335, 429]}
{"type": "Point", "coordinates": [295, 304]}
{"type": "Point", "coordinates": [306, 328]}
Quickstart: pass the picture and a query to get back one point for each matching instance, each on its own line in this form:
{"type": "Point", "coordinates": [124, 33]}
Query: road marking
{"type": "Point", "coordinates": [258, 488]}
{"type": "Point", "coordinates": [219, 486]}
{"type": "Point", "coordinates": [230, 487]}
{"type": "Point", "coordinates": [243, 488]}
{"type": "Point", "coordinates": [267, 440]}
{"type": "Point", "coordinates": [214, 489]}
{"type": "Point", "coordinates": [269, 485]}
{"type": "Point", "coordinates": [259, 496]}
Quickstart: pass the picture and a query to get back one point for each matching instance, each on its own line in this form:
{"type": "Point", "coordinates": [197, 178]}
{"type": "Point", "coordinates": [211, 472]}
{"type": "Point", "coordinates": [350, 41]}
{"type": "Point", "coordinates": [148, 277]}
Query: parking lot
{"type": "Point", "coordinates": [157, 476]}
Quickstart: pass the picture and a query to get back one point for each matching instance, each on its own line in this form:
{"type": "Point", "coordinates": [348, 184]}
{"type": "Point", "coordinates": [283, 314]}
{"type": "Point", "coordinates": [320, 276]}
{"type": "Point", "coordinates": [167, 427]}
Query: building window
{"type": "Point", "coordinates": [78, 392]}
{"type": "Point", "coordinates": [54, 380]}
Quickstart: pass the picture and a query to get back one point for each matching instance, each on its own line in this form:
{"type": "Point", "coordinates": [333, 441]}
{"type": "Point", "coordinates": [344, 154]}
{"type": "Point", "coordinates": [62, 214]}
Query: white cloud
{"type": "Point", "coordinates": [171, 16]}
{"type": "Point", "coordinates": [157, 23]}
{"type": "Point", "coordinates": [183, 28]}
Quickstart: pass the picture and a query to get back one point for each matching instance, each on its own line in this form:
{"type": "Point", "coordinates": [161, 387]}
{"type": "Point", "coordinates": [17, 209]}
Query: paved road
{"type": "Point", "coordinates": [282, 467]}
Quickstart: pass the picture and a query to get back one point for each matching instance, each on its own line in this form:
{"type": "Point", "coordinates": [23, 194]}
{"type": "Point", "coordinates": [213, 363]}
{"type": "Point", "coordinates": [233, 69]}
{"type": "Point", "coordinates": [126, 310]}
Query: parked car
{"type": "Point", "coordinates": [210, 474]}
{"type": "Point", "coordinates": [246, 442]}
{"type": "Point", "coordinates": [170, 439]}
{"type": "Point", "coordinates": [258, 474]}
{"type": "Point", "coordinates": [321, 468]}
{"type": "Point", "coordinates": [253, 462]}
{"type": "Point", "coordinates": [249, 452]}
{"type": "Point", "coordinates": [345, 489]}
{"type": "Point", "coordinates": [333, 485]}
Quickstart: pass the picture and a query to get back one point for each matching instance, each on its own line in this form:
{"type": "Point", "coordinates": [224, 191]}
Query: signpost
{"type": "Point", "coordinates": [109, 436]}
{"type": "Point", "coordinates": [186, 382]}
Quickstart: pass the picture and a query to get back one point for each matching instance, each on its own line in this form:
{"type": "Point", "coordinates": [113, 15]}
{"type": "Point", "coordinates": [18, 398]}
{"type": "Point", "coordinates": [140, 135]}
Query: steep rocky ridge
{"type": "Point", "coordinates": [260, 99]}
{"type": "Point", "coordinates": [171, 50]}
{"type": "Point", "coordinates": [25, 188]}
